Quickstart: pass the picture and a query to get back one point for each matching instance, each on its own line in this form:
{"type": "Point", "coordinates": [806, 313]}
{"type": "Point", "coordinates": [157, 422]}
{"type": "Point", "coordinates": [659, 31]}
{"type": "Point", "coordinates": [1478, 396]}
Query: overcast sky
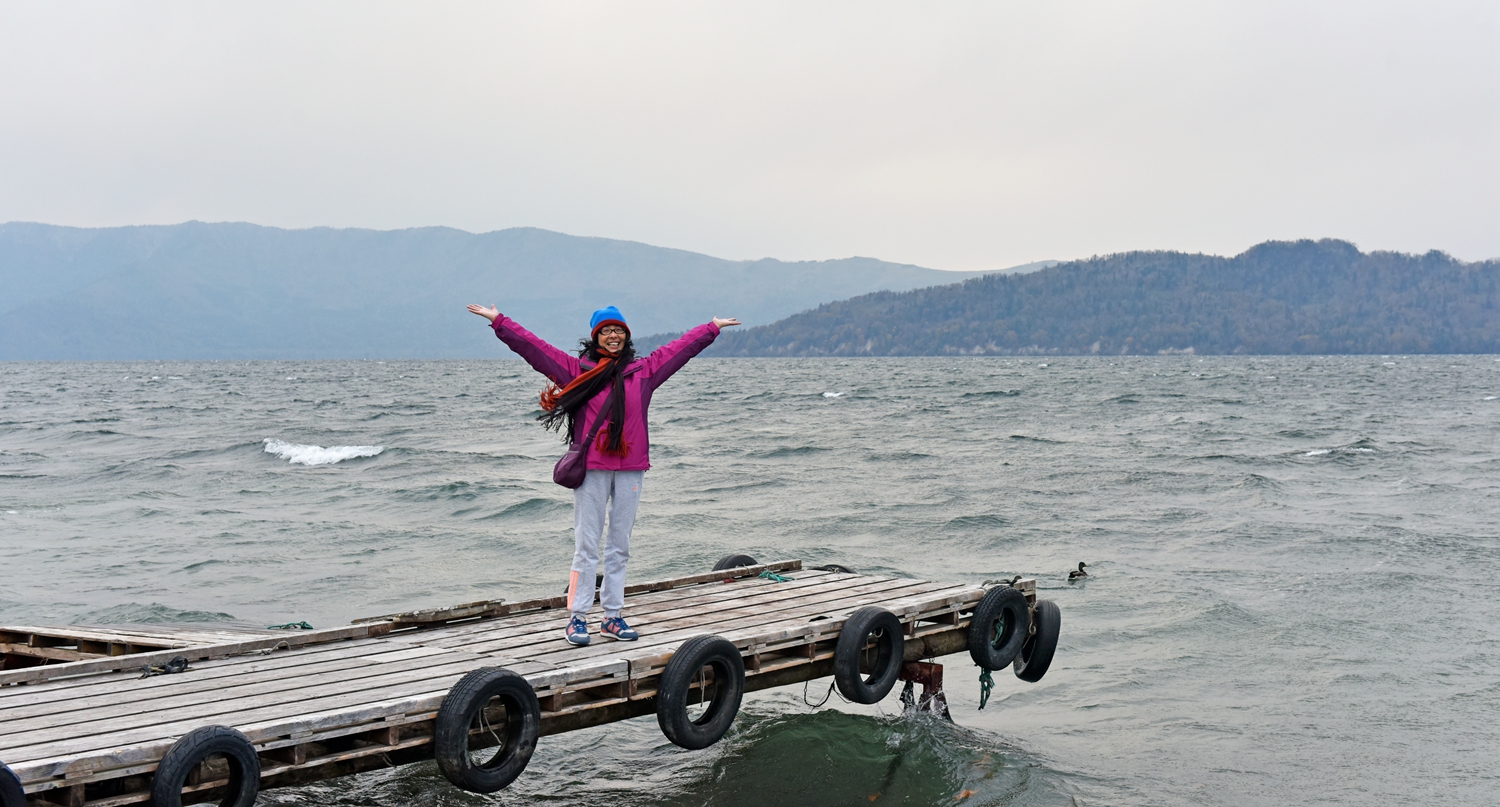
{"type": "Point", "coordinates": [952, 135]}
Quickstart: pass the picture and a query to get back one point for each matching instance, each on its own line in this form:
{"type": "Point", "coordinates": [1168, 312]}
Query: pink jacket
{"type": "Point", "coordinates": [644, 376]}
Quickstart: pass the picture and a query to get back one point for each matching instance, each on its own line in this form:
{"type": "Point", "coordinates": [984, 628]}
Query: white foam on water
{"type": "Point", "coordinates": [1041, 365]}
{"type": "Point", "coordinates": [833, 395]}
{"type": "Point", "coordinates": [13, 512]}
{"type": "Point", "coordinates": [1489, 398]}
{"type": "Point", "coordinates": [1318, 452]}
{"type": "Point", "coordinates": [317, 455]}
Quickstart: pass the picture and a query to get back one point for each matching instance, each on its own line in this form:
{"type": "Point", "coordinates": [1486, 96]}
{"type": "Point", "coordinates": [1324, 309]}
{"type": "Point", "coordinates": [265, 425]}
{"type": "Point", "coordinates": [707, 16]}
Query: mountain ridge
{"type": "Point", "coordinates": [1278, 297]}
{"type": "Point", "coordinates": [235, 290]}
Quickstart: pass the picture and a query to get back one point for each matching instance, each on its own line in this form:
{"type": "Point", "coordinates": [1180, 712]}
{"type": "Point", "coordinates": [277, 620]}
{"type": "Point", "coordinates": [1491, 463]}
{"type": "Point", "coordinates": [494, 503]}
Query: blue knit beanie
{"type": "Point", "coordinates": [608, 315]}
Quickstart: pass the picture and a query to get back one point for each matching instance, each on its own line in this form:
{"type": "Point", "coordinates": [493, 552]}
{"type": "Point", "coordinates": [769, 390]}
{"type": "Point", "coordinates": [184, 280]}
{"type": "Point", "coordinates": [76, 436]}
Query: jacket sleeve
{"type": "Point", "coordinates": [669, 358]}
{"type": "Point", "coordinates": [544, 358]}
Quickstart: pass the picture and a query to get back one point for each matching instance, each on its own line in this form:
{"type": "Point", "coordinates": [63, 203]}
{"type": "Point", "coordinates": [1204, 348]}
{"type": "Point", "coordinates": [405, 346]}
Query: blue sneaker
{"type": "Point", "coordinates": [577, 632]}
{"type": "Point", "coordinates": [615, 628]}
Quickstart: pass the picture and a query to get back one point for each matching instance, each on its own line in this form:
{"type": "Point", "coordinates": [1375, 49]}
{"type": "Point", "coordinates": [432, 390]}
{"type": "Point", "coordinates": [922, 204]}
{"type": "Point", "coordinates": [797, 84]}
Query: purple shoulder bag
{"type": "Point", "coordinates": [574, 465]}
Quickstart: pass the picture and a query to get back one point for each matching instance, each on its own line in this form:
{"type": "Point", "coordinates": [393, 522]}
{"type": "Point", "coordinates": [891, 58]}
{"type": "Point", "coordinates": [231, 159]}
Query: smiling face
{"type": "Point", "coordinates": [611, 338]}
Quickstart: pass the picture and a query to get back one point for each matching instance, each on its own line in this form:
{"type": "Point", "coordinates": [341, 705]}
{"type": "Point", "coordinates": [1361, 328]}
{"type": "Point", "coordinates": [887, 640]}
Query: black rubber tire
{"type": "Point", "coordinates": [675, 689]}
{"type": "Point", "coordinates": [11, 794]}
{"type": "Point", "coordinates": [835, 567]}
{"type": "Point", "coordinates": [849, 651]}
{"type": "Point", "coordinates": [1002, 621]}
{"type": "Point", "coordinates": [1036, 655]}
{"type": "Point", "coordinates": [461, 709]}
{"type": "Point", "coordinates": [734, 562]}
{"type": "Point", "coordinates": [194, 747]}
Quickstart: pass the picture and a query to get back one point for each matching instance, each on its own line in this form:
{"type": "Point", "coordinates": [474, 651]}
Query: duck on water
{"type": "Point", "coordinates": [1079, 573]}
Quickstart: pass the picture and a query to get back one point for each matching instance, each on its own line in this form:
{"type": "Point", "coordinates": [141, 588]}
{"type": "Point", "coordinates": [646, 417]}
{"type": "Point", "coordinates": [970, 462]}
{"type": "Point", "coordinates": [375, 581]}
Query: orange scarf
{"type": "Point", "coordinates": [553, 392]}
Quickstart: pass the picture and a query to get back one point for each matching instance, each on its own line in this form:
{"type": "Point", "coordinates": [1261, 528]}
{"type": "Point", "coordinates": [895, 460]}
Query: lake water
{"type": "Point", "coordinates": [1293, 595]}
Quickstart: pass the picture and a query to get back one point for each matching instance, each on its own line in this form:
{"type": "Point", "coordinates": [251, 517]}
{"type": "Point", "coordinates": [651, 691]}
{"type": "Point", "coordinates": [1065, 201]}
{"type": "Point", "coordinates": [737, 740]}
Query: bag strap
{"type": "Point", "coordinates": [604, 412]}
{"type": "Point", "coordinates": [603, 416]}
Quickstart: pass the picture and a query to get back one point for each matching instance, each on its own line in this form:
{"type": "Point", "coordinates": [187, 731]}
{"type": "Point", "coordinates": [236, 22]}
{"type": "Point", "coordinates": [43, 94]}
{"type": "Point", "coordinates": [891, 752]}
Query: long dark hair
{"type": "Point", "coordinates": [573, 401]}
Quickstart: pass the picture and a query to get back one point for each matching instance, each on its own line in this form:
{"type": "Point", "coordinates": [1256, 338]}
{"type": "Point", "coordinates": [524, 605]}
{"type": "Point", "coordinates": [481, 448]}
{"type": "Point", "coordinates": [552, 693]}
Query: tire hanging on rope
{"type": "Point", "coordinates": [11, 794]}
{"type": "Point", "coordinates": [464, 711]}
{"type": "Point", "coordinates": [733, 562]}
{"type": "Point", "coordinates": [835, 567]}
{"type": "Point", "coordinates": [849, 655]}
{"type": "Point", "coordinates": [1000, 626]}
{"type": "Point", "coordinates": [1036, 655]}
{"type": "Point", "coordinates": [200, 744]}
{"type": "Point", "coordinates": [691, 666]}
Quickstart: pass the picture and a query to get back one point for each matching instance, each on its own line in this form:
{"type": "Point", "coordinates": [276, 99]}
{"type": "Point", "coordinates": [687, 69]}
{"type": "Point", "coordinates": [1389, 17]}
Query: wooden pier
{"type": "Point", "coordinates": [80, 724]}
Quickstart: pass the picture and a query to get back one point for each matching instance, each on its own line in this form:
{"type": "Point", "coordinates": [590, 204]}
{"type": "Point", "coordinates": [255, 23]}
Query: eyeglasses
{"type": "Point", "coordinates": [612, 331]}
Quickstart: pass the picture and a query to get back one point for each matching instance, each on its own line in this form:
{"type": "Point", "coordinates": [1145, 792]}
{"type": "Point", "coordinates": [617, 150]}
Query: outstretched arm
{"type": "Point", "coordinates": [544, 358]}
{"type": "Point", "coordinates": [669, 358]}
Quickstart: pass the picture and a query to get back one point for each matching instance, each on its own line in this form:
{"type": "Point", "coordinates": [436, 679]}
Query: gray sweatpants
{"type": "Point", "coordinates": [618, 492]}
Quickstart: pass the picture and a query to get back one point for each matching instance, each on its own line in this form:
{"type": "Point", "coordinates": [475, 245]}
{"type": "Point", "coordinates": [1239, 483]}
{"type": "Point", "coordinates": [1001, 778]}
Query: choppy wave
{"type": "Point", "coordinates": [317, 455]}
{"type": "Point", "coordinates": [134, 613]}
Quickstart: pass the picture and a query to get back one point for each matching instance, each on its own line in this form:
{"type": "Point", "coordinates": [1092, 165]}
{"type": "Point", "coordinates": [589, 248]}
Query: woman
{"type": "Point", "coordinates": [606, 368]}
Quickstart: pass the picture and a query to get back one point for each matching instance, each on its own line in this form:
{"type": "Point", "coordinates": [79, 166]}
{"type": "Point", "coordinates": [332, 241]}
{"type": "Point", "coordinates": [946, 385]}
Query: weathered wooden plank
{"type": "Point", "coordinates": [291, 639]}
{"type": "Point", "coordinates": [681, 626]}
{"type": "Point", "coordinates": [73, 633]}
{"type": "Point", "coordinates": [305, 689]}
{"type": "Point", "coordinates": [710, 576]}
{"type": "Point", "coordinates": [206, 676]}
{"type": "Point", "coordinates": [130, 680]}
{"type": "Point", "coordinates": [702, 598]}
{"type": "Point", "coordinates": [49, 653]}
{"type": "Point", "coordinates": [447, 666]}
{"type": "Point", "coordinates": [121, 749]}
{"type": "Point", "coordinates": [418, 701]}
{"type": "Point", "coordinates": [99, 717]}
{"type": "Point", "coordinates": [547, 638]}
{"type": "Point", "coordinates": [369, 678]}
{"type": "Point", "coordinates": [428, 616]}
{"type": "Point", "coordinates": [490, 608]}
{"type": "Point", "coordinates": [64, 741]}
{"type": "Point", "coordinates": [667, 627]}
{"type": "Point", "coordinates": [122, 636]}
{"type": "Point", "coordinates": [639, 603]}
{"type": "Point", "coordinates": [201, 680]}
{"type": "Point", "coordinates": [667, 642]}
{"type": "Point", "coordinates": [661, 628]}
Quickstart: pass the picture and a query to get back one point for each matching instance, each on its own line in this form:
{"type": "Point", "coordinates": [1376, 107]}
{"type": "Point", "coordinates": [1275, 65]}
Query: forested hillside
{"type": "Point", "coordinates": [1276, 298]}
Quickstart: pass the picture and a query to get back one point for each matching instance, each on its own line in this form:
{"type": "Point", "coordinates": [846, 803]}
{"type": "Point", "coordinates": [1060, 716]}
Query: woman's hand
{"type": "Point", "coordinates": [722, 323]}
{"type": "Point", "coordinates": [488, 313]}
